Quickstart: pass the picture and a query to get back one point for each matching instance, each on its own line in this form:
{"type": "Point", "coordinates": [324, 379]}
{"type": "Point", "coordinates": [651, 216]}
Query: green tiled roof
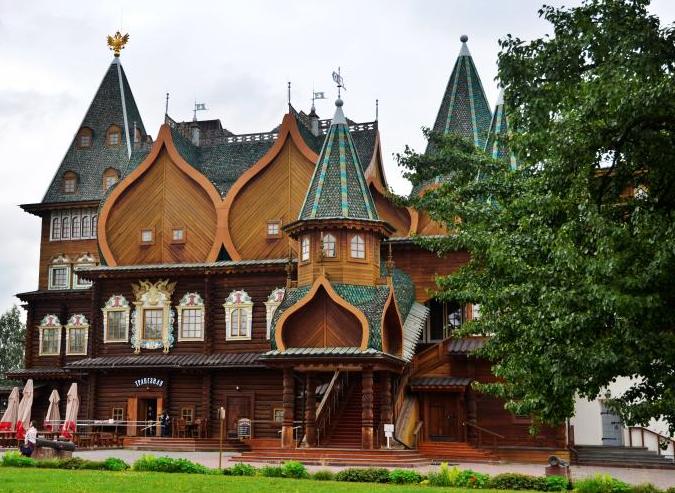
{"type": "Point", "coordinates": [497, 143]}
{"type": "Point", "coordinates": [112, 100]}
{"type": "Point", "coordinates": [338, 188]}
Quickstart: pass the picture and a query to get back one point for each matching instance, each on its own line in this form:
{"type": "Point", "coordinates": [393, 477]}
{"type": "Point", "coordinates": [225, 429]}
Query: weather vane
{"type": "Point", "coordinates": [337, 78]}
{"type": "Point", "coordinates": [116, 43]}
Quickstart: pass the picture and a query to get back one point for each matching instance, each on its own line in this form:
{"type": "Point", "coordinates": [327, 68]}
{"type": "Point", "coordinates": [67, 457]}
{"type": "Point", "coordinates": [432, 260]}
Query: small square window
{"type": "Point", "coordinates": [187, 413]}
{"type": "Point", "coordinates": [85, 140]}
{"type": "Point", "coordinates": [279, 415]}
{"type": "Point", "coordinates": [274, 229]}
{"type": "Point", "coordinates": [178, 235]}
{"type": "Point", "coordinates": [118, 414]}
{"type": "Point", "coordinates": [147, 236]}
{"type": "Point", "coordinates": [304, 249]}
{"type": "Point", "coordinates": [59, 277]}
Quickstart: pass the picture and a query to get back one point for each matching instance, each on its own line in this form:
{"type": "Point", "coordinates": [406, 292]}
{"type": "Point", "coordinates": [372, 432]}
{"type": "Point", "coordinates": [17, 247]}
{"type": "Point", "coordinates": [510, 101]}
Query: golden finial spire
{"type": "Point", "coordinates": [116, 43]}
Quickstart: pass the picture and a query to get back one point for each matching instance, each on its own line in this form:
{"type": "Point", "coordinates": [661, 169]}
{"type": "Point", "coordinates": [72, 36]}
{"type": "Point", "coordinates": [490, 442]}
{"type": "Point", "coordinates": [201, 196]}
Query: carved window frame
{"type": "Point", "coordinates": [153, 296]}
{"type": "Point", "coordinates": [60, 262]}
{"type": "Point", "coordinates": [50, 322]}
{"type": "Point", "coordinates": [77, 322]}
{"type": "Point", "coordinates": [327, 240]}
{"type": "Point", "coordinates": [358, 240]}
{"type": "Point", "coordinates": [238, 300]}
{"type": "Point", "coordinates": [273, 301]}
{"type": "Point", "coordinates": [116, 303]}
{"type": "Point", "coordinates": [190, 301]}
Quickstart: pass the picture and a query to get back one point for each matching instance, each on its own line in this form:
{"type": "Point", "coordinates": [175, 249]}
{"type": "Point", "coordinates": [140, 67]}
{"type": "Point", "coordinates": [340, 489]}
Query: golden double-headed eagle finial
{"type": "Point", "coordinates": [116, 43]}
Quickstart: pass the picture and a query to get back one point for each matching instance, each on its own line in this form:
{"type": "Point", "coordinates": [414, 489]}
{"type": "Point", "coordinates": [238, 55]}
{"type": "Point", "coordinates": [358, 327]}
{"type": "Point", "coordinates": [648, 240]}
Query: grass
{"type": "Point", "coordinates": [28, 480]}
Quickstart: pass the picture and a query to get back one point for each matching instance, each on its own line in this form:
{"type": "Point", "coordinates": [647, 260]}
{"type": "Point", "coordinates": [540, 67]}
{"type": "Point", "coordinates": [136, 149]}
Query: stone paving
{"type": "Point", "coordinates": [660, 478]}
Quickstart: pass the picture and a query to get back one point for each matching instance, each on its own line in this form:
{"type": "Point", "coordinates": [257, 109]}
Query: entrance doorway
{"type": "Point", "coordinates": [237, 407]}
{"type": "Point", "coordinates": [142, 412]}
{"type": "Point", "coordinates": [444, 417]}
{"type": "Point", "coordinates": [147, 411]}
{"type": "Point", "coordinates": [612, 427]}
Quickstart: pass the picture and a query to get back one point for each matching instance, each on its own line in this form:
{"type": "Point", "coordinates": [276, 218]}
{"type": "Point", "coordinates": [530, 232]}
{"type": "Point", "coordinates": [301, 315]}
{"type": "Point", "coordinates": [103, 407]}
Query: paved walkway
{"type": "Point", "coordinates": [659, 478]}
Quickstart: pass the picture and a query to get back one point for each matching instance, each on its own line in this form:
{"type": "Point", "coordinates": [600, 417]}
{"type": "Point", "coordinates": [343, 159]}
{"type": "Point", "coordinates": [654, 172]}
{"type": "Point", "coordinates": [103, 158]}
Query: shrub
{"type": "Point", "coordinates": [445, 476]}
{"type": "Point", "coordinates": [670, 490]}
{"type": "Point", "coordinates": [241, 469]}
{"type": "Point", "coordinates": [115, 464]}
{"type": "Point", "coordinates": [556, 483]}
{"type": "Point", "coordinates": [363, 475]}
{"type": "Point", "coordinates": [15, 459]}
{"type": "Point", "coordinates": [294, 469]}
{"type": "Point", "coordinates": [472, 479]}
{"type": "Point", "coordinates": [404, 476]}
{"type": "Point", "coordinates": [48, 464]}
{"type": "Point", "coordinates": [167, 464]}
{"type": "Point", "coordinates": [271, 472]}
{"type": "Point", "coordinates": [323, 475]}
{"type": "Point", "coordinates": [645, 488]}
{"type": "Point", "coordinates": [601, 483]}
{"type": "Point", "coordinates": [515, 481]}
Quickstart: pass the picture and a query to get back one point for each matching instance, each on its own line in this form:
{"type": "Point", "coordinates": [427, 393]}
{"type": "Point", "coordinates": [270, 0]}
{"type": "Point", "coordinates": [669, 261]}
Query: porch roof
{"type": "Point", "coordinates": [46, 373]}
{"type": "Point", "coordinates": [185, 360]}
{"type": "Point", "coordinates": [465, 345]}
{"type": "Point", "coordinates": [439, 383]}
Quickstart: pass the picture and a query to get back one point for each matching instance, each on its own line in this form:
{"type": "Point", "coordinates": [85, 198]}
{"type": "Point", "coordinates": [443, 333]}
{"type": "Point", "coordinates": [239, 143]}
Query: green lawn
{"type": "Point", "coordinates": [14, 480]}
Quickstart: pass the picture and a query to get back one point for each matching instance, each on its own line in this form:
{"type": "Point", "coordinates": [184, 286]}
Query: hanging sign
{"type": "Point", "coordinates": [149, 382]}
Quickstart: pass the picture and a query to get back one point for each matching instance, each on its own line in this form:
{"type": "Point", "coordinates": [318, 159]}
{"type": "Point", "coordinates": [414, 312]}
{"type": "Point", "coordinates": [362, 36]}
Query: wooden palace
{"type": "Point", "coordinates": [269, 274]}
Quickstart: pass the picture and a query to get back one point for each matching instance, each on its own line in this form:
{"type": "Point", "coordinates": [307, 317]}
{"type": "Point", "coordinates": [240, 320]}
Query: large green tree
{"type": "Point", "coordinates": [12, 338]}
{"type": "Point", "coordinates": [572, 253]}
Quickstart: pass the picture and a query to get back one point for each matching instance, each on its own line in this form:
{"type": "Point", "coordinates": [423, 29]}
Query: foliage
{"type": "Point", "coordinates": [645, 488]}
{"type": "Point", "coordinates": [167, 464]}
{"type": "Point", "coordinates": [601, 483]}
{"type": "Point", "coordinates": [515, 481]}
{"type": "Point", "coordinates": [12, 339]}
{"type": "Point", "coordinates": [323, 475]}
{"type": "Point", "coordinates": [363, 475]}
{"type": "Point", "coordinates": [404, 476]}
{"type": "Point", "coordinates": [115, 464]}
{"type": "Point", "coordinates": [15, 459]}
{"type": "Point", "coordinates": [572, 253]}
{"type": "Point", "coordinates": [241, 469]}
{"type": "Point", "coordinates": [295, 470]}
{"type": "Point", "coordinates": [270, 472]}
{"type": "Point", "coordinates": [457, 478]}
{"type": "Point", "coordinates": [557, 483]}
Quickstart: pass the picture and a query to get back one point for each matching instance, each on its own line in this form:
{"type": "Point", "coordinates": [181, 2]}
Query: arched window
{"type": "Point", "coordinates": [76, 227]}
{"type": "Point", "coordinates": [86, 227]}
{"type": "Point", "coordinates": [238, 315]}
{"type": "Point", "coordinates": [84, 138]}
{"type": "Point", "coordinates": [328, 245]}
{"type": "Point", "coordinates": [239, 323]}
{"type": "Point", "coordinates": [65, 228]}
{"type": "Point", "coordinates": [69, 182]}
{"type": "Point", "coordinates": [110, 177]}
{"type": "Point", "coordinates": [94, 225]}
{"type": "Point", "coordinates": [113, 136]}
{"type": "Point", "coordinates": [358, 247]}
{"type": "Point", "coordinates": [304, 249]}
{"type": "Point", "coordinates": [56, 228]}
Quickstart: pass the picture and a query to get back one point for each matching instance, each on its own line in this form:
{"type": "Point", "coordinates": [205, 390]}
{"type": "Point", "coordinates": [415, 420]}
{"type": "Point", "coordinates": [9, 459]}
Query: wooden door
{"type": "Point", "coordinates": [160, 410]}
{"type": "Point", "coordinates": [132, 416]}
{"type": "Point", "coordinates": [237, 407]}
{"type": "Point", "coordinates": [444, 418]}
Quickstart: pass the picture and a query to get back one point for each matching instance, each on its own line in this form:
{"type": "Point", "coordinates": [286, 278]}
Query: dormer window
{"type": "Point", "coordinates": [69, 182]}
{"type": "Point", "coordinates": [113, 136]}
{"type": "Point", "coordinates": [304, 249]}
{"type": "Point", "coordinates": [84, 138]}
{"type": "Point", "coordinates": [110, 177]}
{"type": "Point", "coordinates": [357, 247]}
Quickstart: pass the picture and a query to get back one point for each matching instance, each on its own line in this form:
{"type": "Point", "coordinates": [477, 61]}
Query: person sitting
{"type": "Point", "coordinates": [165, 421]}
{"type": "Point", "coordinates": [29, 441]}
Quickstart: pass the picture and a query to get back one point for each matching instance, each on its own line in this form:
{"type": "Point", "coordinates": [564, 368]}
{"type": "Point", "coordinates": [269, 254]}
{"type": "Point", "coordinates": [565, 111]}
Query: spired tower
{"type": "Point", "coordinates": [338, 229]}
{"type": "Point", "coordinates": [497, 144]}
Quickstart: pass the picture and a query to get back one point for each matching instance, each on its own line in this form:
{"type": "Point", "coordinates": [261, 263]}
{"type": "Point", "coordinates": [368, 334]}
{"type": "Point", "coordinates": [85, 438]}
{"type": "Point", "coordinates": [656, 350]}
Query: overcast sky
{"type": "Point", "coordinates": [236, 57]}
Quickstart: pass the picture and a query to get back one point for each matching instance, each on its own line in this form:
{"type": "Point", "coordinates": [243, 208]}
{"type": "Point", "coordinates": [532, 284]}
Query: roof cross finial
{"type": "Point", "coordinates": [116, 43]}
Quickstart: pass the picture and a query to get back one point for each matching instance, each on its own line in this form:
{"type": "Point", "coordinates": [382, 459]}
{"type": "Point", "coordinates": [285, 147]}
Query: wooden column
{"type": "Point", "coordinates": [206, 401]}
{"type": "Point", "coordinates": [91, 396]}
{"type": "Point", "coordinates": [95, 320]}
{"type": "Point", "coordinates": [30, 331]}
{"type": "Point", "coordinates": [208, 315]}
{"type": "Point", "coordinates": [386, 408]}
{"type": "Point", "coordinates": [310, 411]}
{"type": "Point", "coordinates": [287, 440]}
{"type": "Point", "coordinates": [367, 408]}
{"type": "Point", "coordinates": [63, 317]}
{"type": "Point", "coordinates": [471, 434]}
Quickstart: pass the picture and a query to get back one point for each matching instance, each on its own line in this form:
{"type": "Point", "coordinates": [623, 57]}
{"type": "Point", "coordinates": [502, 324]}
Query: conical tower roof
{"type": "Point", "coordinates": [464, 109]}
{"type": "Point", "coordinates": [338, 189]}
{"type": "Point", "coordinates": [113, 104]}
{"type": "Point", "coordinates": [497, 143]}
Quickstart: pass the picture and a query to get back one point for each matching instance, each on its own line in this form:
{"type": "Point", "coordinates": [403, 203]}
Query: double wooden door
{"type": "Point", "coordinates": [445, 417]}
{"type": "Point", "coordinates": [237, 408]}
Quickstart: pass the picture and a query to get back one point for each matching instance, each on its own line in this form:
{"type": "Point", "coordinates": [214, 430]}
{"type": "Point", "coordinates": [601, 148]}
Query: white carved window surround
{"type": "Point", "coordinates": [153, 319]}
{"type": "Point", "coordinates": [59, 273]}
{"type": "Point", "coordinates": [77, 335]}
{"type": "Point", "coordinates": [50, 336]}
{"type": "Point", "coordinates": [73, 224]}
{"type": "Point", "coordinates": [85, 260]}
{"type": "Point", "coordinates": [273, 301]}
{"type": "Point", "coordinates": [238, 316]}
{"type": "Point", "coordinates": [116, 319]}
{"type": "Point", "coordinates": [190, 318]}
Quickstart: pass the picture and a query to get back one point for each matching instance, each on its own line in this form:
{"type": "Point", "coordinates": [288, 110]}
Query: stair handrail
{"type": "Point", "coordinates": [416, 433]}
{"type": "Point", "coordinates": [659, 439]}
{"type": "Point", "coordinates": [327, 393]}
{"type": "Point", "coordinates": [401, 390]}
{"type": "Point", "coordinates": [330, 402]}
{"type": "Point", "coordinates": [482, 430]}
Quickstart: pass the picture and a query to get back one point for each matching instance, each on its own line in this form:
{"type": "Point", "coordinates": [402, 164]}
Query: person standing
{"type": "Point", "coordinates": [29, 441]}
{"type": "Point", "coordinates": [165, 421]}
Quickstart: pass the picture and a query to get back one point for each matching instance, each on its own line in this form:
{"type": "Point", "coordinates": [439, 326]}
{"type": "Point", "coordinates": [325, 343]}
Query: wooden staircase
{"type": "Point", "coordinates": [336, 457]}
{"type": "Point", "coordinates": [183, 444]}
{"type": "Point", "coordinates": [455, 452]}
{"type": "Point", "coordinates": [345, 431]}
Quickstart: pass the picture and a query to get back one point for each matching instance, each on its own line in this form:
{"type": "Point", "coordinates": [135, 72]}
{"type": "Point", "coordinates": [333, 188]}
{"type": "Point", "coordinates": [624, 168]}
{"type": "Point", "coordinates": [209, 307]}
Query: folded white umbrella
{"type": "Point", "coordinates": [53, 414]}
{"type": "Point", "coordinates": [23, 415]}
{"type": "Point", "coordinates": [72, 407]}
{"type": "Point", "coordinates": [8, 421]}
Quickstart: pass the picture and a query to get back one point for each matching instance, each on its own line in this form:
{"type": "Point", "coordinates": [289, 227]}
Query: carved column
{"type": "Point", "coordinates": [386, 408]}
{"type": "Point", "coordinates": [310, 411]}
{"type": "Point", "coordinates": [206, 400]}
{"type": "Point", "coordinates": [289, 405]}
{"type": "Point", "coordinates": [367, 408]}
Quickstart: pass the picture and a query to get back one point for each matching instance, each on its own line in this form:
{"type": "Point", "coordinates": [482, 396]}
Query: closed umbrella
{"type": "Point", "coordinates": [23, 415]}
{"type": "Point", "coordinates": [53, 414]}
{"type": "Point", "coordinates": [8, 420]}
{"type": "Point", "coordinates": [72, 407]}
